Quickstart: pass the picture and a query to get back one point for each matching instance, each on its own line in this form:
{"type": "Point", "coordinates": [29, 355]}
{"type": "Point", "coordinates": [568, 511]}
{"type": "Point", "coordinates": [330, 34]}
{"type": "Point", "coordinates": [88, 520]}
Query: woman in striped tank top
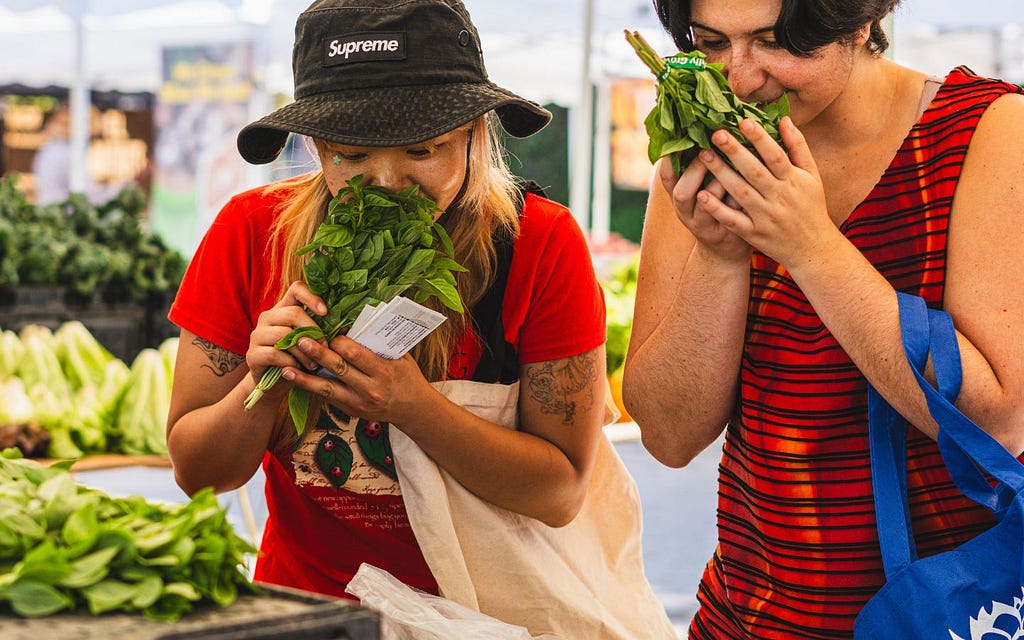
{"type": "Point", "coordinates": [766, 301]}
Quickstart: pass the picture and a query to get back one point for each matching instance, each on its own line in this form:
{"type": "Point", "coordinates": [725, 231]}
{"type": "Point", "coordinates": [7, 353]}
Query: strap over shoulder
{"type": "Point", "coordinates": [498, 361]}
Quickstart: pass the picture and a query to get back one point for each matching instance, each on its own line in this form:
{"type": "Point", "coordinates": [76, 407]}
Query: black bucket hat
{"type": "Point", "coordinates": [384, 73]}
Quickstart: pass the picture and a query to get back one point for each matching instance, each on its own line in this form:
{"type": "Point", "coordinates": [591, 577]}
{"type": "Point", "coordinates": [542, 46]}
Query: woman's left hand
{"type": "Point", "coordinates": [778, 204]}
{"type": "Point", "coordinates": [361, 383]}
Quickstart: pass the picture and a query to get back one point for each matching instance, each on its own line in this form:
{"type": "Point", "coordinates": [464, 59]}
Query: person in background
{"type": "Point", "coordinates": [51, 164]}
{"type": "Point", "coordinates": [395, 92]}
{"type": "Point", "coordinates": [766, 301]}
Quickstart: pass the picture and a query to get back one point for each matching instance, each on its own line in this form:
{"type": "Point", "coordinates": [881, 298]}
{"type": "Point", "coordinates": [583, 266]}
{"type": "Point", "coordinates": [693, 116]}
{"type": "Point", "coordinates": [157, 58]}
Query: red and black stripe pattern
{"type": "Point", "coordinates": [798, 555]}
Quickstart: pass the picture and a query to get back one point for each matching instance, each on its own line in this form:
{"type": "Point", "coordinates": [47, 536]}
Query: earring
{"type": "Point", "coordinates": [336, 159]}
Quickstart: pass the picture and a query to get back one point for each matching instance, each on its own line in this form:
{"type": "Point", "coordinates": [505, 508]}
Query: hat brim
{"type": "Point", "coordinates": [389, 117]}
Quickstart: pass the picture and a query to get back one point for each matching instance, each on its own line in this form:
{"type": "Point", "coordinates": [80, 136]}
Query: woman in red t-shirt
{"type": "Point", "coordinates": [398, 94]}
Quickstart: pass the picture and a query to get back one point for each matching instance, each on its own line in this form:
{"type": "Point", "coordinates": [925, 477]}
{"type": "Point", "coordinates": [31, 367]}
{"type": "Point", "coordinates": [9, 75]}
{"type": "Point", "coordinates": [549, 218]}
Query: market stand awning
{"type": "Point", "coordinates": [77, 12]}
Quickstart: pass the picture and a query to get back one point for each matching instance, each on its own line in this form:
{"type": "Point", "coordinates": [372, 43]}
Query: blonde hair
{"type": "Point", "coordinates": [489, 202]}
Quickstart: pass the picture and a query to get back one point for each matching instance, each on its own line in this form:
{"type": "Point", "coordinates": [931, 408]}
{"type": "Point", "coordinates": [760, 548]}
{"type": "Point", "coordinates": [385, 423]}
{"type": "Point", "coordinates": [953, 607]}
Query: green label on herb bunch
{"type": "Point", "coordinates": [695, 62]}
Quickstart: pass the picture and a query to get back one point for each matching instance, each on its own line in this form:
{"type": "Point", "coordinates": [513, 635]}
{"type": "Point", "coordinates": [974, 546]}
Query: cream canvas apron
{"type": "Point", "coordinates": [582, 581]}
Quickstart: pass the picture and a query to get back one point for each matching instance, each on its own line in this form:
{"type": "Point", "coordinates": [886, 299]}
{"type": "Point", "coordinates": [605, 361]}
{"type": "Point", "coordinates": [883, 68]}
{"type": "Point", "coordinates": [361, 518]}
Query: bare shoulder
{"type": "Point", "coordinates": [993, 171]}
{"type": "Point", "coordinates": [999, 137]}
{"type": "Point", "coordinates": [983, 272]}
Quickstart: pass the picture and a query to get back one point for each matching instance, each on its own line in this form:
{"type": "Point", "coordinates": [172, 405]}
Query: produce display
{"type": "Point", "coordinates": [373, 246]}
{"type": "Point", "coordinates": [66, 396]}
{"type": "Point", "coordinates": [694, 101]}
{"type": "Point", "coordinates": [88, 249]}
{"type": "Point", "coordinates": [619, 295]}
{"type": "Point", "coordinates": [67, 548]}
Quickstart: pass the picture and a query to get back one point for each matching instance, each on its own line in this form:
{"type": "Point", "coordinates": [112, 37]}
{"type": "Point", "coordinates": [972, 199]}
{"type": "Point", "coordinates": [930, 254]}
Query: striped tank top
{"type": "Point", "coordinates": [798, 552]}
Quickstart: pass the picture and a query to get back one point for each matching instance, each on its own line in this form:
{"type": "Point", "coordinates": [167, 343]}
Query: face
{"type": "Point", "coordinates": [740, 34]}
{"type": "Point", "coordinates": [438, 165]}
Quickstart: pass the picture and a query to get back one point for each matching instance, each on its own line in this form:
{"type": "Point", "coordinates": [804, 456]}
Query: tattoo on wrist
{"type": "Point", "coordinates": [222, 361]}
{"type": "Point", "coordinates": [560, 386]}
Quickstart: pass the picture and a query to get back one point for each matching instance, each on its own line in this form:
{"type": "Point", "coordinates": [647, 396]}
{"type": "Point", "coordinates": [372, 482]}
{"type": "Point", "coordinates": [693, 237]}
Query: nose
{"type": "Point", "coordinates": [387, 170]}
{"type": "Point", "coordinates": [744, 73]}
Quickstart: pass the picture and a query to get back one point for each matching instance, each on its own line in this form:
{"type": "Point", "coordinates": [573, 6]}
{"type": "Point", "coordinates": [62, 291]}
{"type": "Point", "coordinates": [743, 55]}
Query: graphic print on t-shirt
{"type": "Point", "coordinates": [342, 452]}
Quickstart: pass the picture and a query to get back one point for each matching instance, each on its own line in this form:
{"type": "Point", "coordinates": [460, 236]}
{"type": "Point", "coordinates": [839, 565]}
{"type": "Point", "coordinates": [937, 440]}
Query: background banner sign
{"type": "Point", "coordinates": [632, 99]}
{"type": "Point", "coordinates": [202, 103]}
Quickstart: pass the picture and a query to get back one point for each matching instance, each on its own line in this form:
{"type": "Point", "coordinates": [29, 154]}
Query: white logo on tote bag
{"type": "Point", "coordinates": [1004, 621]}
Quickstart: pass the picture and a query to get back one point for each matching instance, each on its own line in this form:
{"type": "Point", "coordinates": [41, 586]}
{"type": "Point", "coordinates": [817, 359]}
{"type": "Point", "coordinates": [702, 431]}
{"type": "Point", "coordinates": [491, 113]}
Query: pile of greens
{"type": "Point", "coordinates": [694, 101]}
{"type": "Point", "coordinates": [66, 396]}
{"type": "Point", "coordinates": [373, 246]}
{"type": "Point", "coordinates": [85, 248]}
{"type": "Point", "coordinates": [66, 547]}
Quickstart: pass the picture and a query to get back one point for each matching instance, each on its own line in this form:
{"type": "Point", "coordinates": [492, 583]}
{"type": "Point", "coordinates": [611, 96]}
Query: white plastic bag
{"type": "Point", "coordinates": [411, 614]}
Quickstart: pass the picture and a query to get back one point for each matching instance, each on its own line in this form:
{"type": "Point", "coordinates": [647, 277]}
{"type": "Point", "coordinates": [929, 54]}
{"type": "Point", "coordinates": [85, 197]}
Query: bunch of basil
{"type": "Point", "coordinates": [66, 547]}
{"type": "Point", "coordinates": [694, 101]}
{"type": "Point", "coordinates": [373, 245]}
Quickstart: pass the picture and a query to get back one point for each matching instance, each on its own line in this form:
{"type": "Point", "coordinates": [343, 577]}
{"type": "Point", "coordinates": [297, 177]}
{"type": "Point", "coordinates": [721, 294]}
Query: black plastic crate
{"type": "Point", "coordinates": [278, 614]}
{"type": "Point", "coordinates": [122, 329]}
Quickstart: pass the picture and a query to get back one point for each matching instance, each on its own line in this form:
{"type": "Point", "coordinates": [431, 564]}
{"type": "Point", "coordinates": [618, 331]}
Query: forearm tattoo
{"type": "Point", "coordinates": [559, 386]}
{"type": "Point", "coordinates": [222, 361]}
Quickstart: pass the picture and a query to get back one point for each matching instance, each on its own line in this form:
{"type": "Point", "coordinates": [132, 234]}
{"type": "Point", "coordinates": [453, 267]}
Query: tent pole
{"type": "Point", "coordinates": [582, 133]}
{"type": "Point", "coordinates": [79, 107]}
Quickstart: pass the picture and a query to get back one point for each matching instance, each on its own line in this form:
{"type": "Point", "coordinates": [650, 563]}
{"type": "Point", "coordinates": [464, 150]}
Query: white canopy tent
{"type": "Point", "coordinates": [74, 18]}
{"type": "Point", "coordinates": [115, 44]}
{"type": "Point", "coordinates": [547, 50]}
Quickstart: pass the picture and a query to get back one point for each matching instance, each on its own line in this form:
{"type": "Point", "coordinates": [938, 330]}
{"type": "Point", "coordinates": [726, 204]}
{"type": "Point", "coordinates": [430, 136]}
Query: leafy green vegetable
{"type": "Point", "coordinates": [66, 547]}
{"type": "Point", "coordinates": [82, 357]}
{"type": "Point", "coordinates": [142, 414]}
{"type": "Point", "coordinates": [694, 101]}
{"type": "Point", "coordinates": [373, 246]}
{"type": "Point", "coordinates": [83, 247]}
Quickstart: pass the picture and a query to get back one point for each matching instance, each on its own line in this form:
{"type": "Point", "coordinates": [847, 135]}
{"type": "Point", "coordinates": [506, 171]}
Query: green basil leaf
{"type": "Point", "coordinates": [33, 599]}
{"type": "Point", "coordinates": [89, 569]}
{"type": "Point", "coordinates": [298, 408]}
{"type": "Point", "coordinates": [293, 337]}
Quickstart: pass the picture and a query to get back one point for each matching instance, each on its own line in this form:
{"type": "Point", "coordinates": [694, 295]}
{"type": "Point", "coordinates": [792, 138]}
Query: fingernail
{"type": "Point", "coordinates": [288, 374]}
{"type": "Point", "coordinates": [747, 125]}
{"type": "Point", "coordinates": [306, 345]}
{"type": "Point", "coordinates": [707, 155]}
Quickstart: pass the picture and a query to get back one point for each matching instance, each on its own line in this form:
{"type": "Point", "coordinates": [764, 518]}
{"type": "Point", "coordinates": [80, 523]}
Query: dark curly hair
{"type": "Point", "coordinates": [803, 26]}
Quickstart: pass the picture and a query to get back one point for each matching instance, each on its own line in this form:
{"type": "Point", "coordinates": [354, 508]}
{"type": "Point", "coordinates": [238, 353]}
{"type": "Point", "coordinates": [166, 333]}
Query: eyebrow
{"type": "Point", "coordinates": [753, 32]}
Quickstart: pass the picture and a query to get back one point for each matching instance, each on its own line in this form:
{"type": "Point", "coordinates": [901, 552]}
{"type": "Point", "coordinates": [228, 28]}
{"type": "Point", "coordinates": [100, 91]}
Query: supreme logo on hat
{"type": "Point", "coordinates": [364, 47]}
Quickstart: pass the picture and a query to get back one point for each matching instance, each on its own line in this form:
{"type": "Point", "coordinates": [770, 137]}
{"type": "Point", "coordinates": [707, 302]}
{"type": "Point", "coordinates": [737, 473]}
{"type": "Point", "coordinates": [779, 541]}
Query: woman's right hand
{"type": "Point", "coordinates": [688, 194]}
{"type": "Point", "coordinates": [278, 321]}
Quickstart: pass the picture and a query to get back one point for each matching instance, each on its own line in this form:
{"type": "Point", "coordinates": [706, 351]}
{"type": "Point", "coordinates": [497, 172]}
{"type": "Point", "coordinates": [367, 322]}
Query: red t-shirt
{"type": "Point", "coordinates": [330, 512]}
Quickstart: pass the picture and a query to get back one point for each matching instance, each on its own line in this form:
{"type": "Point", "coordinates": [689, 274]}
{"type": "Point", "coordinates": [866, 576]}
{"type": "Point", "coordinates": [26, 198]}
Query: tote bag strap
{"type": "Point", "coordinates": [887, 431]}
{"type": "Point", "coordinates": [967, 476]}
{"type": "Point", "coordinates": [974, 441]}
{"type": "Point", "coordinates": [965, 446]}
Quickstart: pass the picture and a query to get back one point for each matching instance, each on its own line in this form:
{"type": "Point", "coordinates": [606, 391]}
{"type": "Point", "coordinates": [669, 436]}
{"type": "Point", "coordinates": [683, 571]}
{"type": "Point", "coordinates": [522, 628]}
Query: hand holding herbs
{"type": "Point", "coordinates": [694, 101]}
{"type": "Point", "coordinates": [66, 547]}
{"type": "Point", "coordinates": [373, 246]}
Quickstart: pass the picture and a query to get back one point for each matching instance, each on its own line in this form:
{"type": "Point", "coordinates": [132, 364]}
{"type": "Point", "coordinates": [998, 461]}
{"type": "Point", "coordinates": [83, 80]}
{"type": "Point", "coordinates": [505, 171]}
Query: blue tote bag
{"type": "Point", "coordinates": [972, 592]}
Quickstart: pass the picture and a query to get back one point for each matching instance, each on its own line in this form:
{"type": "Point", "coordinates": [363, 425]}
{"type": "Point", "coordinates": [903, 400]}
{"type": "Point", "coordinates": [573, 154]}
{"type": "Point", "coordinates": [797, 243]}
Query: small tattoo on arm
{"type": "Point", "coordinates": [556, 385]}
{"type": "Point", "coordinates": [222, 361]}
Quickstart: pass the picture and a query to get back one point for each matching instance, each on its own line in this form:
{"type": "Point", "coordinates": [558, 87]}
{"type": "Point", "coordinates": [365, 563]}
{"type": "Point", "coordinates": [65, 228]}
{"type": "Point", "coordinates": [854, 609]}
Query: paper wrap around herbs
{"type": "Point", "coordinates": [694, 101]}
{"type": "Point", "coordinates": [373, 246]}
